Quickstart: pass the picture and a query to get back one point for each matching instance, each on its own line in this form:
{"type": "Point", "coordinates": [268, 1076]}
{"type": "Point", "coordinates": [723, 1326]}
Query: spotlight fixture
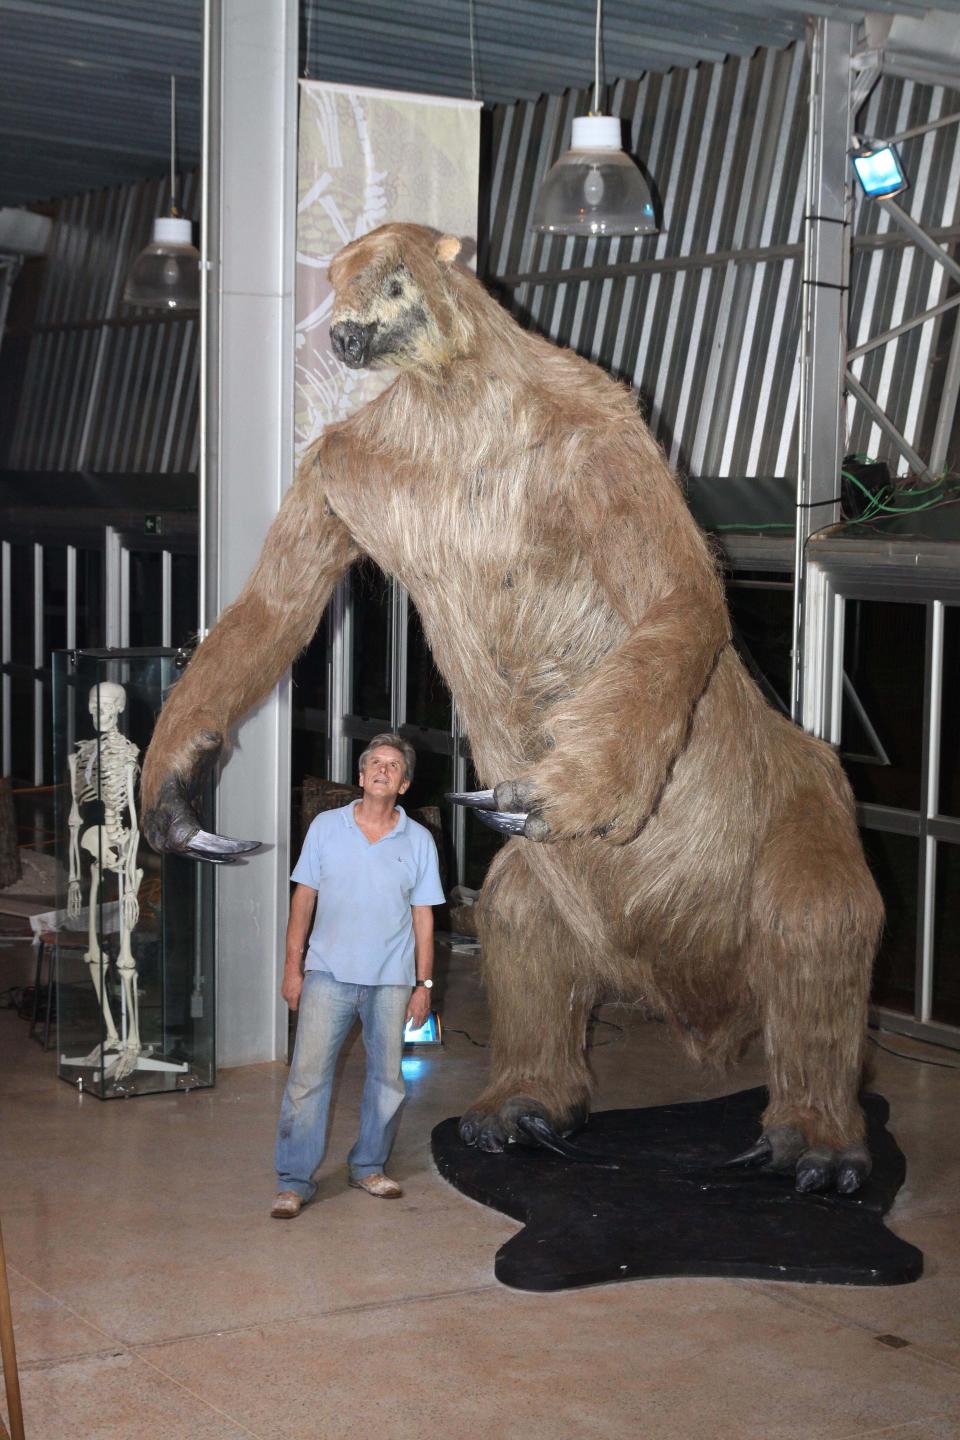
{"type": "Point", "coordinates": [595, 188]}
{"type": "Point", "coordinates": [878, 169]}
{"type": "Point", "coordinates": [166, 273]}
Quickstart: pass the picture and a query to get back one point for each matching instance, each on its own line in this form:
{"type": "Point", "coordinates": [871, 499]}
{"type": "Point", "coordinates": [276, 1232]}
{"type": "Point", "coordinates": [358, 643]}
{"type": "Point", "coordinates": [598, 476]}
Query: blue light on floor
{"type": "Point", "coordinates": [411, 1066]}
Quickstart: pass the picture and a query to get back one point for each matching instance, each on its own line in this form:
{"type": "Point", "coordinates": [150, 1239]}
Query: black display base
{"type": "Point", "coordinates": [667, 1209]}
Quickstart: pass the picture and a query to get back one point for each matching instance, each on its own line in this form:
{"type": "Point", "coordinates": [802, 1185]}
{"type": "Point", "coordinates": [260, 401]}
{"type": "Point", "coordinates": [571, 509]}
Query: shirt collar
{"type": "Point", "coordinates": [350, 820]}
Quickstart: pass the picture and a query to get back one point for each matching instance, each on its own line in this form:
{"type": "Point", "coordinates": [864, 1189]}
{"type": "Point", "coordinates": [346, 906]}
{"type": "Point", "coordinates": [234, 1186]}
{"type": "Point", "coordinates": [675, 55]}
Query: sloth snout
{"type": "Point", "coordinates": [351, 342]}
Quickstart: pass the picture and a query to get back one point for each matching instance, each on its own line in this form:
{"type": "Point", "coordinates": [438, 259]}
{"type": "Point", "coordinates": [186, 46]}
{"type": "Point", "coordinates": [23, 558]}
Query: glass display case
{"type": "Point", "coordinates": [132, 930]}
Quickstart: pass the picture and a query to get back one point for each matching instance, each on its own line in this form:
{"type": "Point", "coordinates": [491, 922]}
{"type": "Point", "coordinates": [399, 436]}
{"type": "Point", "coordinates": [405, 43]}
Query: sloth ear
{"type": "Point", "coordinates": [448, 248]}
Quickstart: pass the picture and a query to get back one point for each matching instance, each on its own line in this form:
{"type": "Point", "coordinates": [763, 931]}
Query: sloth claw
{"type": "Point", "coordinates": [815, 1168]}
{"type": "Point", "coordinates": [484, 803]}
{"type": "Point", "coordinates": [541, 1132]}
{"type": "Point", "coordinates": [219, 849]}
{"type": "Point", "coordinates": [853, 1170]}
{"type": "Point", "coordinates": [509, 809]}
{"type": "Point", "coordinates": [505, 821]}
{"type": "Point", "coordinates": [172, 827]}
{"type": "Point", "coordinates": [472, 799]}
{"type": "Point", "coordinates": [521, 1120]}
{"type": "Point", "coordinates": [757, 1157]}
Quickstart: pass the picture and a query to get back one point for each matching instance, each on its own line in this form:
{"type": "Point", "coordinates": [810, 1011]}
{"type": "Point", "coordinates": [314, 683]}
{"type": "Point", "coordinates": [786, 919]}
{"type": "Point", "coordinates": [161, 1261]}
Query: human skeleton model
{"type": "Point", "coordinates": [105, 770]}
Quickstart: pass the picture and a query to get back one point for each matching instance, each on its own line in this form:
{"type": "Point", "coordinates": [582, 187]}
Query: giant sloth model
{"type": "Point", "coordinates": [683, 842]}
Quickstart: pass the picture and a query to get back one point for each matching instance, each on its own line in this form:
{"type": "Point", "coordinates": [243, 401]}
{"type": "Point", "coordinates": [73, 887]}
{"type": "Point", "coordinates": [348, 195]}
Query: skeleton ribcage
{"type": "Point", "coordinates": [102, 775]}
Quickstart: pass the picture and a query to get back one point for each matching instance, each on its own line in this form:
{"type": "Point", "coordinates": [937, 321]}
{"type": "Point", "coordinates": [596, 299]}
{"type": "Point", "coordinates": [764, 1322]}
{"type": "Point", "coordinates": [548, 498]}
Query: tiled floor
{"type": "Point", "coordinates": [155, 1300]}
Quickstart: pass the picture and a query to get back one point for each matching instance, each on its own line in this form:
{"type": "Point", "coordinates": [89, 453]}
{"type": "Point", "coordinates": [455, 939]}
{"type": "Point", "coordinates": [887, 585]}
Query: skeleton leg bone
{"type": "Point", "coordinates": [94, 960]}
{"type": "Point", "coordinates": [127, 970]}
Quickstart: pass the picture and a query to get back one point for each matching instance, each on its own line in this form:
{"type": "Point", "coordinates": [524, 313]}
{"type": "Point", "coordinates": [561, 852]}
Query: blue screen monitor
{"type": "Point", "coordinates": [879, 170]}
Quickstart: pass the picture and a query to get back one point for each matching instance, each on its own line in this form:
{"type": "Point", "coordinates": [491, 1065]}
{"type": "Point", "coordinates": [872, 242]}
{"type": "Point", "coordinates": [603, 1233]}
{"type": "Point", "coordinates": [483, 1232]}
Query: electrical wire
{"type": "Point", "coordinates": [942, 490]}
{"type": "Point", "coordinates": [917, 1059]}
{"type": "Point", "coordinates": [480, 1044]}
{"type": "Point", "coordinates": [595, 1019]}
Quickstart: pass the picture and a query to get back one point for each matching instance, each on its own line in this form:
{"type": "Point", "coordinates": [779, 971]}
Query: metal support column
{"type": "Point", "coordinates": [823, 302]}
{"type": "Point", "coordinates": [250, 56]}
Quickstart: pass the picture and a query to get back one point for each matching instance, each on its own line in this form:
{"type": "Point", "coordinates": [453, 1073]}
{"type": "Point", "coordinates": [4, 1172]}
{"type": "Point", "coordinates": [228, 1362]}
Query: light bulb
{"type": "Point", "coordinates": [593, 187]}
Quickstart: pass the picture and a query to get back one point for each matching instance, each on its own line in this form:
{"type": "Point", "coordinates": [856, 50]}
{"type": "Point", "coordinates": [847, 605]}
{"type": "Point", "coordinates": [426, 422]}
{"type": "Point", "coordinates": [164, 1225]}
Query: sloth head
{"type": "Point", "coordinates": [396, 300]}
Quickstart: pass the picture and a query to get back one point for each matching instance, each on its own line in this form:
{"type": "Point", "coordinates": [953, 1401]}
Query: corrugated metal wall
{"type": "Point", "coordinates": [703, 319]}
{"type": "Point", "coordinates": [109, 387]}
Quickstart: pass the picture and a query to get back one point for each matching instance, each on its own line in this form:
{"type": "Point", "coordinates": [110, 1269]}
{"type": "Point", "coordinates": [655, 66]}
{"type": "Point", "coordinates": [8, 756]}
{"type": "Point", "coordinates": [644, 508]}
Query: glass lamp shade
{"type": "Point", "coordinates": [595, 188]}
{"type": "Point", "coordinates": [166, 274]}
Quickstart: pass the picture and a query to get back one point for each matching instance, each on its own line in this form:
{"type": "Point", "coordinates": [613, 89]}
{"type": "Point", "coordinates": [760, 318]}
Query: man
{"type": "Point", "coordinates": [372, 874]}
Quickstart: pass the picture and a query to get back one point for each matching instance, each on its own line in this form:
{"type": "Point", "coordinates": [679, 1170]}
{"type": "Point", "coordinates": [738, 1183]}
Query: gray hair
{"type": "Point", "coordinates": [396, 742]}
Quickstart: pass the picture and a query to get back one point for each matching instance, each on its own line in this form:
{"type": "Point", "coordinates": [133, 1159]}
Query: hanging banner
{"type": "Point", "coordinates": [368, 157]}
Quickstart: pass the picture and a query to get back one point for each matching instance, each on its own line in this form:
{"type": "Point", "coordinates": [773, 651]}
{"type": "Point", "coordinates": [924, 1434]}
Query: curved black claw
{"type": "Point", "coordinates": [541, 1132]}
{"type": "Point", "coordinates": [172, 826]}
{"type": "Point", "coordinates": [507, 822]}
{"type": "Point", "coordinates": [755, 1158]}
{"type": "Point", "coordinates": [472, 799]}
{"type": "Point", "coordinates": [219, 849]}
{"type": "Point", "coordinates": [510, 809]}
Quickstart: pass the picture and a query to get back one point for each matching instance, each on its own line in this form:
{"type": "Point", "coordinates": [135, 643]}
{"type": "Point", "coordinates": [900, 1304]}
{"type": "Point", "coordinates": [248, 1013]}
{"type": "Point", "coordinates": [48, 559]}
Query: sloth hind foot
{"type": "Point", "coordinates": [521, 1120]}
{"type": "Point", "coordinates": [783, 1148]}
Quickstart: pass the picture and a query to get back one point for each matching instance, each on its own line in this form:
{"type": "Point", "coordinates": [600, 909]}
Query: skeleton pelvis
{"type": "Point", "coordinates": [97, 844]}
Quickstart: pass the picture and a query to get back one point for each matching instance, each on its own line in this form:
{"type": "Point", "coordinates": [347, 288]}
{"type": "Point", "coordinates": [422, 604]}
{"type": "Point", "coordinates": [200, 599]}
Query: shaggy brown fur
{"type": "Point", "coordinates": [702, 852]}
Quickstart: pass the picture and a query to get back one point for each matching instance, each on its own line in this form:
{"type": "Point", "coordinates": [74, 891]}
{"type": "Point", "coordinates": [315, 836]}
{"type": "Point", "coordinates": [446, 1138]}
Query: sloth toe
{"type": "Point", "coordinates": [816, 1170]}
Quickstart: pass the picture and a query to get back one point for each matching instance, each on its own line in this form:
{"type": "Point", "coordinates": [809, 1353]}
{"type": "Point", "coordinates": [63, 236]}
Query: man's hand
{"type": "Point", "coordinates": [291, 987]}
{"type": "Point", "coordinates": [419, 1006]}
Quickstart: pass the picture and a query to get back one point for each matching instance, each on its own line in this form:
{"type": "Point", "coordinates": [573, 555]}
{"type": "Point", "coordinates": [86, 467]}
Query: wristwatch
{"type": "Point", "coordinates": [427, 984]}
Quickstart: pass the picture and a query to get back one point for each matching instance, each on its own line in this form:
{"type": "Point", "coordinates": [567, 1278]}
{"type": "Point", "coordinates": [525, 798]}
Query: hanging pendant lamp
{"type": "Point", "coordinates": [595, 188]}
{"type": "Point", "coordinates": [166, 273]}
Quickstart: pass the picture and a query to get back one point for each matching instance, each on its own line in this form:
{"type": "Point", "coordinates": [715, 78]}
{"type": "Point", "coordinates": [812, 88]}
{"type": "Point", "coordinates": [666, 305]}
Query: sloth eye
{"type": "Point", "coordinates": [394, 289]}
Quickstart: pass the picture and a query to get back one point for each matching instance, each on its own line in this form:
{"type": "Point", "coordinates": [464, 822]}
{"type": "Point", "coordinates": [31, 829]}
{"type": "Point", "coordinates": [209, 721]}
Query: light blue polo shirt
{"type": "Point", "coordinates": [363, 930]}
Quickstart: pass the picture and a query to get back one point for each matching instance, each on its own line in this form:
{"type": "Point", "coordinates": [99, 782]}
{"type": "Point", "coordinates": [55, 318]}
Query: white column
{"type": "Point", "coordinates": [250, 204]}
{"type": "Point", "coordinates": [823, 301]}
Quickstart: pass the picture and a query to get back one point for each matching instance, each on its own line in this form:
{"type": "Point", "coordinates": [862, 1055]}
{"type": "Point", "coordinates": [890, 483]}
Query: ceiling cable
{"type": "Point", "coordinates": [473, 48]}
{"type": "Point", "coordinates": [596, 64]}
{"type": "Point", "coordinates": [173, 145]}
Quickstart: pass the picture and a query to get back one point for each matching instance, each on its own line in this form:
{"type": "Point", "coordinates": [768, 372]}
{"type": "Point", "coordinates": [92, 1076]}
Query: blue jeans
{"type": "Point", "coordinates": [328, 1008]}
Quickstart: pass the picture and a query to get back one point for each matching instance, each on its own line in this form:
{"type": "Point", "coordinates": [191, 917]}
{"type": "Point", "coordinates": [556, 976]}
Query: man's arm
{"type": "Point", "coordinates": [419, 1007]}
{"type": "Point", "coordinates": [298, 930]}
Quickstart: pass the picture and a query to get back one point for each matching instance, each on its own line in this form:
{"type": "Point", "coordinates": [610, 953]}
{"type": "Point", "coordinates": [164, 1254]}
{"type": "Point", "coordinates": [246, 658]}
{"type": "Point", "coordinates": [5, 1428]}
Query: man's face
{"type": "Point", "coordinates": [383, 777]}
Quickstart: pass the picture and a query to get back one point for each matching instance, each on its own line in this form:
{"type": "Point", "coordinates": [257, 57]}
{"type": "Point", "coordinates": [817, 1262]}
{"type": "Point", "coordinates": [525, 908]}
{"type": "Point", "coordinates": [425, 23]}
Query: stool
{"type": "Point", "coordinates": [46, 942]}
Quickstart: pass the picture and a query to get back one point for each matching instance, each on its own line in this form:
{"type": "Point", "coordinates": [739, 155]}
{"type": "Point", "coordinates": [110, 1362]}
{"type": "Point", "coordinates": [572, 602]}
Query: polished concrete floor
{"type": "Point", "coordinates": [154, 1298]}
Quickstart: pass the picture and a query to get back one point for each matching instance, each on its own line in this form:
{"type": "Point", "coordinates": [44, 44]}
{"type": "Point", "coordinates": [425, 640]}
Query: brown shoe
{"type": "Point", "coordinates": [380, 1185]}
{"type": "Point", "coordinates": [287, 1205]}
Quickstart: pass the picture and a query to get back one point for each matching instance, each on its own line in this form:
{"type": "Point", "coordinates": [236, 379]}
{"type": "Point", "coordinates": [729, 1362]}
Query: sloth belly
{"type": "Point", "coordinates": [511, 641]}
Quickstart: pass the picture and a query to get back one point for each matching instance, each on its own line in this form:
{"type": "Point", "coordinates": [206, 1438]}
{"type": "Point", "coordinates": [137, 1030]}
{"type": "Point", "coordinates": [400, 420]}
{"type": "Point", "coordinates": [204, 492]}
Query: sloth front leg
{"type": "Point", "coordinates": [539, 1089]}
{"type": "Point", "coordinates": [306, 551]}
